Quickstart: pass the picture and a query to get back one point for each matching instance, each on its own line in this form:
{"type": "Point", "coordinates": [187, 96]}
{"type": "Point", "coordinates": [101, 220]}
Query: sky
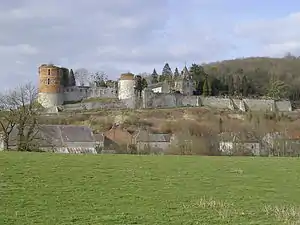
{"type": "Point", "coordinates": [118, 36]}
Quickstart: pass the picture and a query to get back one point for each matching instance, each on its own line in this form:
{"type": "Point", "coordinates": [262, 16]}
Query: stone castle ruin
{"type": "Point", "coordinates": [57, 87]}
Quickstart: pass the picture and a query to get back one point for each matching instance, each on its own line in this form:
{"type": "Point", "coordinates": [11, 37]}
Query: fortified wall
{"type": "Point", "coordinates": [170, 100]}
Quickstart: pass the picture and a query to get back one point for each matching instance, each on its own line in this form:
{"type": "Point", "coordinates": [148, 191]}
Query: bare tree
{"type": "Point", "coordinates": [99, 78]}
{"type": "Point", "coordinates": [23, 113]}
{"type": "Point", "coordinates": [82, 75]}
{"type": "Point", "coordinates": [7, 120]}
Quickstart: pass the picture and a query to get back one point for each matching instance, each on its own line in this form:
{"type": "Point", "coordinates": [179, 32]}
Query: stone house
{"type": "Point", "coordinates": [144, 140]}
{"type": "Point", "coordinates": [231, 143]}
{"type": "Point", "coordinates": [60, 139]}
{"type": "Point", "coordinates": [282, 143]}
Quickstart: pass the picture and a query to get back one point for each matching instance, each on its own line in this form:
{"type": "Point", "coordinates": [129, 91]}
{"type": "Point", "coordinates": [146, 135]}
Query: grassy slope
{"type": "Point", "coordinates": [106, 189]}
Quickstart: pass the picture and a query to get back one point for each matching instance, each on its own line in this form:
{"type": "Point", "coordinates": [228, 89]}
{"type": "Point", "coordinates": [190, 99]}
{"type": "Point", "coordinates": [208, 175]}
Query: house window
{"type": "Point", "coordinates": [49, 72]}
{"type": "Point", "coordinates": [48, 81]}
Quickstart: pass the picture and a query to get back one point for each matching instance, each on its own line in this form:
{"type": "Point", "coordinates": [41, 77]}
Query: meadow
{"type": "Point", "coordinates": [50, 189]}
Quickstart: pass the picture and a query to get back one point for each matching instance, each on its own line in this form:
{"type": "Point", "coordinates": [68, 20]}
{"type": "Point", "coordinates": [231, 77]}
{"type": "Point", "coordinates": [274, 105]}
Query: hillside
{"type": "Point", "coordinates": [194, 120]}
{"type": "Point", "coordinates": [47, 189]}
{"type": "Point", "coordinates": [259, 71]}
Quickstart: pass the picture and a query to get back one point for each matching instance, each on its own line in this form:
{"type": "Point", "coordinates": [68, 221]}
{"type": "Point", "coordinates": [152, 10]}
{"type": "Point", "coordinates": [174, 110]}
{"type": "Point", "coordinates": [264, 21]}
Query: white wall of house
{"type": "Point", "coordinates": [226, 147]}
{"type": "Point", "coordinates": [157, 90]}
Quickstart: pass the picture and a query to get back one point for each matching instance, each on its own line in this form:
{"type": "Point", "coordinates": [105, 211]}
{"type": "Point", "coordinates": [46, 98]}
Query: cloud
{"type": "Point", "coordinates": [274, 37]}
{"type": "Point", "coordinates": [20, 49]}
{"type": "Point", "coordinates": [132, 35]}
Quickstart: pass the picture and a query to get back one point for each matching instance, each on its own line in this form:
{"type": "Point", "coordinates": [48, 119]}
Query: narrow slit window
{"type": "Point", "coordinates": [49, 72]}
{"type": "Point", "coordinates": [48, 81]}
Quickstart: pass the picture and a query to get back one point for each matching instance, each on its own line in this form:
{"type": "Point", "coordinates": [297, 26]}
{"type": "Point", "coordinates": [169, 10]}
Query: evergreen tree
{"type": "Point", "coordinates": [154, 77]}
{"type": "Point", "coordinates": [71, 80]}
{"type": "Point", "coordinates": [198, 76]}
{"type": "Point", "coordinates": [167, 70]}
{"type": "Point", "coordinates": [176, 73]}
{"type": "Point", "coordinates": [138, 85]}
{"type": "Point", "coordinates": [206, 90]}
{"type": "Point", "coordinates": [167, 73]}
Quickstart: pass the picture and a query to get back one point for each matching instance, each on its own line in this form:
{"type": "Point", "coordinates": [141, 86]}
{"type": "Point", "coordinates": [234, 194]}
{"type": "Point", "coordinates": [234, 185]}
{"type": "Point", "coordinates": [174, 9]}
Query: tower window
{"type": "Point", "coordinates": [49, 72]}
{"type": "Point", "coordinates": [48, 81]}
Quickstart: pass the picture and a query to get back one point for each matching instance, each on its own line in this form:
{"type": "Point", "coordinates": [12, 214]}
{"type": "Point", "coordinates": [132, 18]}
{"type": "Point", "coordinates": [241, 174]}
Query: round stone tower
{"type": "Point", "coordinates": [50, 88]}
{"type": "Point", "coordinates": [126, 86]}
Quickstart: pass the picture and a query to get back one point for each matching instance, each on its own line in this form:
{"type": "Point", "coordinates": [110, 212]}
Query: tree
{"type": "Point", "coordinates": [167, 73]}
{"type": "Point", "coordinates": [71, 79]}
{"type": "Point", "coordinates": [99, 79]}
{"type": "Point", "coordinates": [206, 87]}
{"type": "Point", "coordinates": [176, 73]}
{"type": "Point", "coordinates": [277, 89]}
{"type": "Point", "coordinates": [65, 76]}
{"type": "Point", "coordinates": [144, 83]}
{"type": "Point", "coordinates": [138, 85]}
{"type": "Point", "coordinates": [245, 86]}
{"type": "Point", "coordinates": [7, 120]}
{"type": "Point", "coordinates": [167, 70]}
{"type": "Point", "coordinates": [24, 112]}
{"type": "Point", "coordinates": [112, 83]}
{"type": "Point", "coordinates": [237, 85]}
{"type": "Point", "coordinates": [82, 76]}
{"type": "Point", "coordinates": [230, 84]}
{"type": "Point", "coordinates": [154, 77]}
{"type": "Point", "coordinates": [198, 75]}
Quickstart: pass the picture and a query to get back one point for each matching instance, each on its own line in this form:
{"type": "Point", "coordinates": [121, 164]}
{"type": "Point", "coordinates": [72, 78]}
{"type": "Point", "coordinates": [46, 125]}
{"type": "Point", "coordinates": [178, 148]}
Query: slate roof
{"type": "Point", "coordinates": [99, 137]}
{"type": "Point", "coordinates": [64, 138]}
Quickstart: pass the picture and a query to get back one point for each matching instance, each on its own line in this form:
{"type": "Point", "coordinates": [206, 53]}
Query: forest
{"type": "Point", "coordinates": [276, 78]}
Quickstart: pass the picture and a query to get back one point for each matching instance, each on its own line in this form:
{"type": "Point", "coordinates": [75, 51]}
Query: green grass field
{"type": "Point", "coordinates": [56, 189]}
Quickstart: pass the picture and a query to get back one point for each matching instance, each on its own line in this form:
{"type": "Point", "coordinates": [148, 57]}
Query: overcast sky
{"type": "Point", "coordinates": [137, 35]}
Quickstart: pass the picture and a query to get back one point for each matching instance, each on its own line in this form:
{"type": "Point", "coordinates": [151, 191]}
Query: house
{"type": "Point", "coordinates": [144, 140]}
{"type": "Point", "coordinates": [231, 143]}
{"type": "Point", "coordinates": [282, 143]}
{"type": "Point", "coordinates": [60, 139]}
{"type": "Point", "coordinates": [117, 138]}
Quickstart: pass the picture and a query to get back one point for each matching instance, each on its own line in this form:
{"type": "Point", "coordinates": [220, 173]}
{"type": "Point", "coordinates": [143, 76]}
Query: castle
{"type": "Point", "coordinates": [57, 87]}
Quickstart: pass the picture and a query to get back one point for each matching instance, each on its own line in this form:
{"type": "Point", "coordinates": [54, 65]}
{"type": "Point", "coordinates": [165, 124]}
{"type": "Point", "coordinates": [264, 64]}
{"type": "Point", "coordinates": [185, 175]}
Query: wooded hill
{"type": "Point", "coordinates": [256, 76]}
{"type": "Point", "coordinates": [263, 74]}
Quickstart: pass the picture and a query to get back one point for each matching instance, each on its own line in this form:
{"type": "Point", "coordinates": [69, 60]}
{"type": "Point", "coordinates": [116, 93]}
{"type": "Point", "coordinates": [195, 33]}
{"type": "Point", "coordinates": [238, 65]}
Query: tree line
{"type": "Point", "coordinates": [250, 77]}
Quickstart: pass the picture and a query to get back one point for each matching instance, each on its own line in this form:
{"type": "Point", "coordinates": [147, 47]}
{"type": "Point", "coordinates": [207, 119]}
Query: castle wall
{"type": "Point", "coordinates": [73, 94]}
{"type": "Point", "coordinates": [284, 106]}
{"type": "Point", "coordinates": [190, 101]}
{"type": "Point", "coordinates": [94, 105]}
{"type": "Point", "coordinates": [259, 104]}
{"type": "Point", "coordinates": [214, 102]}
